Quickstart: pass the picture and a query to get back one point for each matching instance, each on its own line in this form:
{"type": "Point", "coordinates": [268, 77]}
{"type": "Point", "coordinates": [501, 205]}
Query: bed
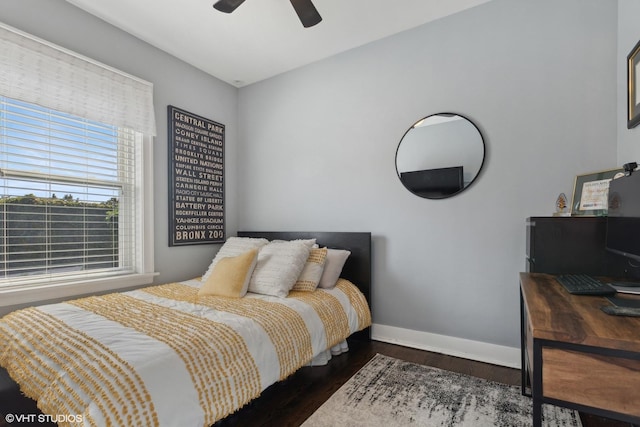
{"type": "Point", "coordinates": [171, 355]}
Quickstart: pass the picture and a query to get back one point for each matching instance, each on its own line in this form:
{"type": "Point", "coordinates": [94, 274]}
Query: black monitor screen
{"type": "Point", "coordinates": [623, 222]}
{"type": "Point", "coordinates": [434, 183]}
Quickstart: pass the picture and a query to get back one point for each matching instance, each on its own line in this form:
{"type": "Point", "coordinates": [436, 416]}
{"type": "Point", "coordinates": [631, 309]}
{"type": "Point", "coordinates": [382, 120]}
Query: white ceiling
{"type": "Point", "coordinates": [263, 38]}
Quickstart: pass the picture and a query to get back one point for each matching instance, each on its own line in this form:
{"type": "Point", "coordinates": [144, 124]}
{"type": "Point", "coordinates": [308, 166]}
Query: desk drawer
{"type": "Point", "coordinates": [599, 381]}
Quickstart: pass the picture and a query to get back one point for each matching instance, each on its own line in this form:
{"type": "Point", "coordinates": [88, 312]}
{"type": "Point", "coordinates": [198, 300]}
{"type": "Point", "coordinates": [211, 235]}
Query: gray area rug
{"type": "Point", "coordinates": [390, 392]}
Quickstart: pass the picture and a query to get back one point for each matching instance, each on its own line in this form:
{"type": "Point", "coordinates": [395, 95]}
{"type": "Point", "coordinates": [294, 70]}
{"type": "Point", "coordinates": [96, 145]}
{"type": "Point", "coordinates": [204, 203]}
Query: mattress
{"type": "Point", "coordinates": [163, 355]}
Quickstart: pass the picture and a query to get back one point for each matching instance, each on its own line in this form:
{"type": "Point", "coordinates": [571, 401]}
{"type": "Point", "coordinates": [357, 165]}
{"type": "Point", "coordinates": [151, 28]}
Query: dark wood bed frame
{"type": "Point", "coordinates": [357, 269]}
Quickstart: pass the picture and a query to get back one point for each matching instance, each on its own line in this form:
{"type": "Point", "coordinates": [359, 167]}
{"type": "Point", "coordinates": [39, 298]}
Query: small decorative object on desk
{"type": "Point", "coordinates": [562, 206]}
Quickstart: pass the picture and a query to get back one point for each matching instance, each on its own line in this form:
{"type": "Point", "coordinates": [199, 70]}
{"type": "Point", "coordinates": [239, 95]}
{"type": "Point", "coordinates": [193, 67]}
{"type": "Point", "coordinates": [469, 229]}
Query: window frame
{"type": "Point", "coordinates": [144, 268]}
{"type": "Point", "coordinates": [40, 72]}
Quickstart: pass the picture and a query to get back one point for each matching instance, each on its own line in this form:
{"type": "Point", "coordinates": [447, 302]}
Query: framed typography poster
{"type": "Point", "coordinates": [196, 179]}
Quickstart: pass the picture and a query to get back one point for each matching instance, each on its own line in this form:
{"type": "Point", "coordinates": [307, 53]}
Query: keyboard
{"type": "Point", "coordinates": [582, 284]}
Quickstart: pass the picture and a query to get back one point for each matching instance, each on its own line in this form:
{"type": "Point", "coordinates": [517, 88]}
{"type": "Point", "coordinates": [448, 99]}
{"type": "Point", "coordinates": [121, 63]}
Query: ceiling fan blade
{"type": "Point", "coordinates": [227, 6]}
{"type": "Point", "coordinates": [307, 12]}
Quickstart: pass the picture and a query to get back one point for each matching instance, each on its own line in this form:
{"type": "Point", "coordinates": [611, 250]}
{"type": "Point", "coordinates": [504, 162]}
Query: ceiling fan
{"type": "Point", "coordinates": [306, 11]}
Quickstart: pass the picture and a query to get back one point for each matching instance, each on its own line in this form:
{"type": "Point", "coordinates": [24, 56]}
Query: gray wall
{"type": "Point", "coordinates": [317, 148]}
{"type": "Point", "coordinates": [175, 83]}
{"type": "Point", "coordinates": [628, 36]}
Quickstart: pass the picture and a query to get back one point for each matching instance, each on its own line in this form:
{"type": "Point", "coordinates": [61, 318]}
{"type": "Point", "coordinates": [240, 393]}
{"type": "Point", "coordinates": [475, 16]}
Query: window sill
{"type": "Point", "coordinates": [57, 291]}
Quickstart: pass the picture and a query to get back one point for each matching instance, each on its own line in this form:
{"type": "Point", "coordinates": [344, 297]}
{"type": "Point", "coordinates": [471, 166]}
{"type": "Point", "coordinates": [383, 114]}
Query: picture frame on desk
{"type": "Point", "coordinates": [633, 87]}
{"type": "Point", "coordinates": [591, 191]}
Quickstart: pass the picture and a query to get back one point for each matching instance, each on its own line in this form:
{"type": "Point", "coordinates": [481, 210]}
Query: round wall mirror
{"type": "Point", "coordinates": [440, 156]}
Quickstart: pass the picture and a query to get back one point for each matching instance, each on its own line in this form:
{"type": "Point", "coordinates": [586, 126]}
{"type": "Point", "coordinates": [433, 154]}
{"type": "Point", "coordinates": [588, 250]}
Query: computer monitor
{"type": "Point", "coordinates": [623, 221]}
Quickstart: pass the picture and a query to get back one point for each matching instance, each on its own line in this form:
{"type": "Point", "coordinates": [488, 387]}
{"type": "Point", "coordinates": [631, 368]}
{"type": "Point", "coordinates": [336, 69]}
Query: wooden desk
{"type": "Point", "coordinates": [575, 355]}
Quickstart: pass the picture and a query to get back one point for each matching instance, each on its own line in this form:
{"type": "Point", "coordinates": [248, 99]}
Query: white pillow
{"type": "Point", "coordinates": [333, 267]}
{"type": "Point", "coordinates": [279, 266]}
{"type": "Point", "coordinates": [311, 243]}
{"type": "Point", "coordinates": [234, 246]}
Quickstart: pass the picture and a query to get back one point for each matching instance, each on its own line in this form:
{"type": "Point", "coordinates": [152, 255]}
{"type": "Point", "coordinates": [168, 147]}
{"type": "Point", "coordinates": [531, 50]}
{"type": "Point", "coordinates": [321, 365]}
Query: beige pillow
{"type": "Point", "coordinates": [311, 243]}
{"type": "Point", "coordinates": [333, 267]}
{"type": "Point", "coordinates": [232, 247]}
{"type": "Point", "coordinates": [279, 266]}
{"type": "Point", "coordinates": [312, 271]}
{"type": "Point", "coordinates": [230, 276]}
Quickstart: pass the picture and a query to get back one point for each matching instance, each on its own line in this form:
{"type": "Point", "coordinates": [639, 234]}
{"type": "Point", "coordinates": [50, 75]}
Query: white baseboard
{"type": "Point", "coordinates": [452, 346]}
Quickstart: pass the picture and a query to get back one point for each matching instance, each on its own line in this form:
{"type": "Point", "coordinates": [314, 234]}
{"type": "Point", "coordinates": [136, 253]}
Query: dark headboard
{"type": "Point", "coordinates": [357, 269]}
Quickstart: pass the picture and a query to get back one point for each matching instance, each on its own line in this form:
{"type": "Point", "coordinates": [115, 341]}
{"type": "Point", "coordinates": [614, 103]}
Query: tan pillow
{"type": "Point", "coordinates": [230, 276]}
{"type": "Point", "coordinates": [232, 247]}
{"type": "Point", "coordinates": [312, 271]}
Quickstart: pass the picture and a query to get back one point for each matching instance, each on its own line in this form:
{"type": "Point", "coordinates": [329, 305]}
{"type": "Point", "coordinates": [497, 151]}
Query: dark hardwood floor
{"type": "Point", "coordinates": [291, 402]}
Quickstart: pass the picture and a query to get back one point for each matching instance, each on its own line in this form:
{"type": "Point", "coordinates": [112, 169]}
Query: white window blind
{"type": "Point", "coordinates": [42, 73]}
{"type": "Point", "coordinates": [68, 204]}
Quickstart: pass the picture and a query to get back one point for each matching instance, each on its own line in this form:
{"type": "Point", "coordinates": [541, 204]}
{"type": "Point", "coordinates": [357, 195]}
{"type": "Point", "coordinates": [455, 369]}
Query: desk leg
{"type": "Point", "coordinates": [536, 387]}
{"type": "Point", "coordinates": [537, 412]}
{"type": "Point", "coordinates": [523, 362]}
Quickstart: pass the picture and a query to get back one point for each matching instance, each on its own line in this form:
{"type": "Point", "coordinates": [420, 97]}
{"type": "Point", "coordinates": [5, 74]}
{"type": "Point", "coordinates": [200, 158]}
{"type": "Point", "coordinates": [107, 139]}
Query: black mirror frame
{"type": "Point", "coordinates": [465, 187]}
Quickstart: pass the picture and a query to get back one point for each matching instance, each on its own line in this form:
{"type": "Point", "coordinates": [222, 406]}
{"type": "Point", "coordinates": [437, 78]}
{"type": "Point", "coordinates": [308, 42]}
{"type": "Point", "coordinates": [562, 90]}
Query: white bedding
{"type": "Point", "coordinates": [164, 356]}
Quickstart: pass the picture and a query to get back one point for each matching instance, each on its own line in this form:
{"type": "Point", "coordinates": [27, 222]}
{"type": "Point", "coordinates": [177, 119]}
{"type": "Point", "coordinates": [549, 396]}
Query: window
{"type": "Point", "coordinates": [68, 190]}
{"type": "Point", "coordinates": [76, 177]}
